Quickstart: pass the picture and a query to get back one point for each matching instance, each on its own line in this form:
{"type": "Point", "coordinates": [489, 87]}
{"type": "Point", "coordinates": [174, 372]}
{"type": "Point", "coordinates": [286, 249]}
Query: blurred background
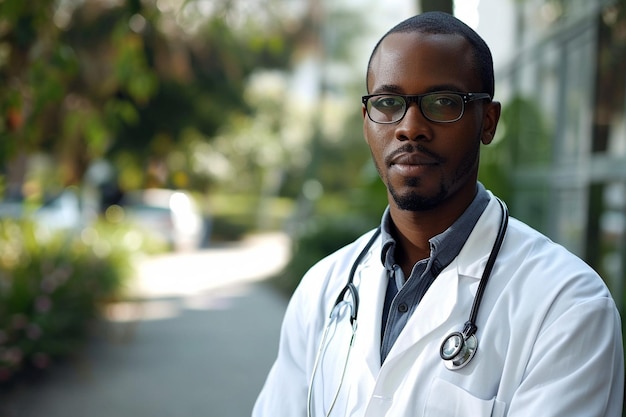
{"type": "Point", "coordinates": [147, 137]}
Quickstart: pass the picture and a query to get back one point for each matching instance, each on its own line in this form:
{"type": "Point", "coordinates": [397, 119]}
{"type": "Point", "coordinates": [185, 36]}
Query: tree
{"type": "Point", "coordinates": [124, 81]}
{"type": "Point", "coordinates": [61, 96]}
{"type": "Point", "coordinates": [436, 5]}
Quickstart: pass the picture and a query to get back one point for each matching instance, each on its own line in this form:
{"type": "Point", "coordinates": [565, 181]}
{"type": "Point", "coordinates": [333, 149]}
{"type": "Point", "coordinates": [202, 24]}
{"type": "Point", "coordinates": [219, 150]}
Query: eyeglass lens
{"type": "Point", "coordinates": [329, 374]}
{"type": "Point", "coordinates": [438, 107]}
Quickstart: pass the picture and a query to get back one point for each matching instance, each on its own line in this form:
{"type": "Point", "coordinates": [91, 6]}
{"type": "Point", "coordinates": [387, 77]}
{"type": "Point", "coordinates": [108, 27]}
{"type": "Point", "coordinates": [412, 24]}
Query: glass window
{"type": "Point", "coordinates": [570, 217]}
{"type": "Point", "coordinates": [613, 238]}
{"type": "Point", "coordinates": [617, 137]}
{"type": "Point", "coordinates": [574, 127]}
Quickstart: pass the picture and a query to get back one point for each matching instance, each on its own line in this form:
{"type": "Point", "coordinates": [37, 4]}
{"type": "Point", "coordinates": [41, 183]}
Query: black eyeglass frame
{"type": "Point", "coordinates": [417, 98]}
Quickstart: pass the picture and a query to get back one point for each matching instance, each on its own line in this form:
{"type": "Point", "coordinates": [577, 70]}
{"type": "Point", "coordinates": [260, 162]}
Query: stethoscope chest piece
{"type": "Point", "coordinates": [457, 350]}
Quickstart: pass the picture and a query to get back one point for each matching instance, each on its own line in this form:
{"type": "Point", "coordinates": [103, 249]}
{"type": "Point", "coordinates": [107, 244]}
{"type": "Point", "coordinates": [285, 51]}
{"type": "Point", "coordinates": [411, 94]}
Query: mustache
{"type": "Point", "coordinates": [413, 148]}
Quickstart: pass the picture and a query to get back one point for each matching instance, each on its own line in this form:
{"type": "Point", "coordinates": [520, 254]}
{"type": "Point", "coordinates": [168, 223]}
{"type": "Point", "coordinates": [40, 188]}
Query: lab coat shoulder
{"type": "Point", "coordinates": [547, 273]}
{"type": "Point", "coordinates": [549, 332]}
{"type": "Point", "coordinates": [562, 336]}
{"type": "Point", "coordinates": [314, 297]}
{"type": "Point", "coordinates": [285, 390]}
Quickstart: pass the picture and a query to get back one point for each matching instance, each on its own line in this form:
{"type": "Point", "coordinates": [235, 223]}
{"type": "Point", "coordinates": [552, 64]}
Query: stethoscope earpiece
{"type": "Point", "coordinates": [457, 350]}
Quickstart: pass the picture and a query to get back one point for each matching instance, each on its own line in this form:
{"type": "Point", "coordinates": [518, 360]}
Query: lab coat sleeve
{"type": "Point", "coordinates": [563, 376]}
{"type": "Point", "coordinates": [285, 391]}
{"type": "Point", "coordinates": [286, 387]}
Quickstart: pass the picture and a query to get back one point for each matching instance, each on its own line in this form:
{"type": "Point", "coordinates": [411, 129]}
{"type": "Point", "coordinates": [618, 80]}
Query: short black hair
{"type": "Point", "coordinates": [445, 24]}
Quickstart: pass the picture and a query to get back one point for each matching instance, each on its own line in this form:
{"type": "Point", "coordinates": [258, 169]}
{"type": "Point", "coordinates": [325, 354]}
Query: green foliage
{"type": "Point", "coordinates": [230, 228]}
{"type": "Point", "coordinates": [33, 70]}
{"type": "Point", "coordinates": [493, 171]}
{"type": "Point", "coordinates": [525, 130]}
{"type": "Point", "coordinates": [83, 81]}
{"type": "Point", "coordinates": [338, 220]}
{"type": "Point", "coordinates": [320, 237]}
{"type": "Point", "coordinates": [51, 287]}
{"type": "Point", "coordinates": [522, 141]}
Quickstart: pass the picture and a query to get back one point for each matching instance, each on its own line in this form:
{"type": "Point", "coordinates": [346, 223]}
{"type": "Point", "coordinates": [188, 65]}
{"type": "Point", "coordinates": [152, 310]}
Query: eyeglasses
{"type": "Point", "coordinates": [441, 106]}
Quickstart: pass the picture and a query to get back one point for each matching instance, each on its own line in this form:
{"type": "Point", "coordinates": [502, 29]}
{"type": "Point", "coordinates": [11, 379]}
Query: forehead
{"type": "Point", "coordinates": [415, 62]}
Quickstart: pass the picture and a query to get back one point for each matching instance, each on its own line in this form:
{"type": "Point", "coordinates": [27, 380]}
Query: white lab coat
{"type": "Point", "coordinates": [549, 336]}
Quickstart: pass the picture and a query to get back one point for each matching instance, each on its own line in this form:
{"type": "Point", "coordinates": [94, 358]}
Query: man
{"type": "Point", "coordinates": [406, 337]}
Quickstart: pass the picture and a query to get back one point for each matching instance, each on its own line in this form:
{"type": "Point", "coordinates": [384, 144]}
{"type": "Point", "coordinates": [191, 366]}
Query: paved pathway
{"type": "Point", "coordinates": [199, 344]}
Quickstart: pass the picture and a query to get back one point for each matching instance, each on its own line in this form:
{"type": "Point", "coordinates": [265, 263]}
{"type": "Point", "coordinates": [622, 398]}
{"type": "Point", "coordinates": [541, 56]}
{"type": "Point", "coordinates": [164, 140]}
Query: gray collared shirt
{"type": "Point", "coordinates": [403, 295]}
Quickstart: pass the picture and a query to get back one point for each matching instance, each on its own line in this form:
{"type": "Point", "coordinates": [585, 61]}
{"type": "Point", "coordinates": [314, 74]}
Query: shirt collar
{"type": "Point", "coordinates": [445, 246]}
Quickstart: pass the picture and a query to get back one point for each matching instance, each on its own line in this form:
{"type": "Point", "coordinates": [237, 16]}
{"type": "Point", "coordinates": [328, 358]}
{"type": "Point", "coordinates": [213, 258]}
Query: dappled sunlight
{"type": "Point", "coordinates": [190, 273]}
{"type": "Point", "coordinates": [128, 312]}
{"type": "Point", "coordinates": [166, 285]}
{"type": "Point", "coordinates": [134, 311]}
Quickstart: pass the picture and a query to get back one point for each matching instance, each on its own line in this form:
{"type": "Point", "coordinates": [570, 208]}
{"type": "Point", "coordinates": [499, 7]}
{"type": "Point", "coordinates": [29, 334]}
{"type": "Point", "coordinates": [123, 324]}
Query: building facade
{"type": "Point", "coordinates": [560, 155]}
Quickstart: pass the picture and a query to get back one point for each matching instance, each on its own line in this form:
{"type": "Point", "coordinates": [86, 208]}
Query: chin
{"type": "Point", "coordinates": [413, 196]}
{"type": "Point", "coordinates": [413, 201]}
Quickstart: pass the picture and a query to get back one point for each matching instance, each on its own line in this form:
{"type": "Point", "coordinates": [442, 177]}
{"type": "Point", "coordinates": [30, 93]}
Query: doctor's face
{"type": "Point", "coordinates": [425, 163]}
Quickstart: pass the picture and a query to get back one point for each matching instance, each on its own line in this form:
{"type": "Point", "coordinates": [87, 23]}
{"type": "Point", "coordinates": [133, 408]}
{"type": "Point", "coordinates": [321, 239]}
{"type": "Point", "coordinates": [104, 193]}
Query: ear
{"type": "Point", "coordinates": [365, 120]}
{"type": "Point", "coordinates": [490, 121]}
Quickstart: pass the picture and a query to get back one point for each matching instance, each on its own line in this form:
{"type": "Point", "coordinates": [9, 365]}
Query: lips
{"type": "Point", "coordinates": [413, 159]}
{"type": "Point", "coordinates": [413, 155]}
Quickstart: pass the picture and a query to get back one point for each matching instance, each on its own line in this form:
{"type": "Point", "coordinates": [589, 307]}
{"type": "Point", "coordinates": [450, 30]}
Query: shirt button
{"type": "Point", "coordinates": [403, 308]}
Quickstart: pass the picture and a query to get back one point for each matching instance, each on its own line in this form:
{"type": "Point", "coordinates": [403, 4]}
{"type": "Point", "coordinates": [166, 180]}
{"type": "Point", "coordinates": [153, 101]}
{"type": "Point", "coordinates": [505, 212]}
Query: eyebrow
{"type": "Point", "coordinates": [387, 88]}
{"type": "Point", "coordinates": [395, 89]}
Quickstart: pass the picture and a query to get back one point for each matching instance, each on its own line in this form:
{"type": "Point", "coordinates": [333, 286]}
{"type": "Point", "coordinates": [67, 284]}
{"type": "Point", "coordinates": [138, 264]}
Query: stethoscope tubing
{"type": "Point", "coordinates": [354, 292]}
{"type": "Point", "coordinates": [459, 348]}
{"type": "Point", "coordinates": [350, 284]}
{"type": "Point", "coordinates": [470, 325]}
{"type": "Point", "coordinates": [470, 328]}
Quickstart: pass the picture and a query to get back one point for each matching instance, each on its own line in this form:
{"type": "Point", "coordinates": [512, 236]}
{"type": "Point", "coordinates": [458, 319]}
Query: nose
{"type": "Point", "coordinates": [413, 126]}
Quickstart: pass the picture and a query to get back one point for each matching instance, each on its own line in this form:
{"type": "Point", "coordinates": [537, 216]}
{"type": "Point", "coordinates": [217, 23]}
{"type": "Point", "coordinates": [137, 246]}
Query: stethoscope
{"type": "Point", "coordinates": [457, 349]}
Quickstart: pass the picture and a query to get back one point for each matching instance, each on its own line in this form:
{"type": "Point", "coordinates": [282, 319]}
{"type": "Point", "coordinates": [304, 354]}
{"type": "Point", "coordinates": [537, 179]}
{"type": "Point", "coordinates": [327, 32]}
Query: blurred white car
{"type": "Point", "coordinates": [67, 210]}
{"type": "Point", "coordinates": [170, 215]}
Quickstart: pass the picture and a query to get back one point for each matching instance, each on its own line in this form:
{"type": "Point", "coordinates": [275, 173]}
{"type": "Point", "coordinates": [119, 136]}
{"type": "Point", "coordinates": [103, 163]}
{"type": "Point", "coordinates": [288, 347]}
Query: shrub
{"type": "Point", "coordinates": [51, 286]}
{"type": "Point", "coordinates": [318, 239]}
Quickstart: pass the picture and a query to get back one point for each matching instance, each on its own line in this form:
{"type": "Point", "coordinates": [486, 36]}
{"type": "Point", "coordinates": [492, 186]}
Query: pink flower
{"type": "Point", "coordinates": [41, 360]}
{"type": "Point", "coordinates": [43, 304]}
{"type": "Point", "coordinates": [33, 331]}
{"type": "Point", "coordinates": [19, 321]}
{"type": "Point", "coordinates": [13, 356]}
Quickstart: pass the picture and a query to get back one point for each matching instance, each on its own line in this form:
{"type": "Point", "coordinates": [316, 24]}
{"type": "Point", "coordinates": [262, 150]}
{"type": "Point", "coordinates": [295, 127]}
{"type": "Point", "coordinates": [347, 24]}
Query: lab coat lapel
{"type": "Point", "coordinates": [473, 257]}
{"type": "Point", "coordinates": [442, 301]}
{"type": "Point", "coordinates": [372, 286]}
{"type": "Point", "coordinates": [435, 309]}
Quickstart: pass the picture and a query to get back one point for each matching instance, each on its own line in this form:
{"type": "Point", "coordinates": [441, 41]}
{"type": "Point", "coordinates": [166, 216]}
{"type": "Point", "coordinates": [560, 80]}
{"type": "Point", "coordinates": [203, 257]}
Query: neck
{"type": "Point", "coordinates": [414, 229]}
{"type": "Point", "coordinates": [412, 234]}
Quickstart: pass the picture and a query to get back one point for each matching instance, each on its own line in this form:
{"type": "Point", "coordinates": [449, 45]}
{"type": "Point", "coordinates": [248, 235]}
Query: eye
{"type": "Point", "coordinates": [387, 103]}
{"type": "Point", "coordinates": [442, 107]}
{"type": "Point", "coordinates": [445, 101]}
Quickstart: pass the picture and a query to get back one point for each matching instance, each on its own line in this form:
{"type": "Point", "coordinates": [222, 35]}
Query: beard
{"type": "Point", "coordinates": [413, 201]}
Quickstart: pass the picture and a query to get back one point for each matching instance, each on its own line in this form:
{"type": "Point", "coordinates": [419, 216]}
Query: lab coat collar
{"type": "Point", "coordinates": [371, 279]}
{"type": "Point", "coordinates": [473, 256]}
{"type": "Point", "coordinates": [442, 301]}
